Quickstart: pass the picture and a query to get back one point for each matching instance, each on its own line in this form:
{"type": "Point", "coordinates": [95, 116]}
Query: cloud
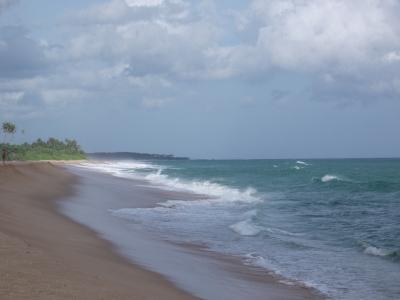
{"type": "Point", "coordinates": [11, 98]}
{"type": "Point", "coordinates": [20, 56]}
{"type": "Point", "coordinates": [121, 11]}
{"type": "Point", "coordinates": [393, 56]}
{"type": "Point", "coordinates": [17, 104]}
{"type": "Point", "coordinates": [315, 38]}
{"type": "Point", "coordinates": [155, 103]}
{"type": "Point", "coordinates": [4, 4]}
{"type": "Point", "coordinates": [144, 3]}
{"type": "Point", "coordinates": [163, 42]}
{"type": "Point", "coordinates": [63, 96]}
{"type": "Point", "coordinates": [131, 48]}
{"type": "Point", "coordinates": [318, 34]}
{"type": "Point", "coordinates": [349, 48]}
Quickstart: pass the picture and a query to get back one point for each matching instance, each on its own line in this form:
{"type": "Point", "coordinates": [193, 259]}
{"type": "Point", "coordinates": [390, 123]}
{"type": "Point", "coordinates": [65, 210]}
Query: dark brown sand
{"type": "Point", "coordinates": [44, 255]}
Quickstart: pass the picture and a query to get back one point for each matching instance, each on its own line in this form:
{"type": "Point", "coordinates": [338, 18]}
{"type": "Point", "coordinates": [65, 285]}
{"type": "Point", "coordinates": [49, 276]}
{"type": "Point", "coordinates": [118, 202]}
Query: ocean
{"type": "Point", "coordinates": [333, 225]}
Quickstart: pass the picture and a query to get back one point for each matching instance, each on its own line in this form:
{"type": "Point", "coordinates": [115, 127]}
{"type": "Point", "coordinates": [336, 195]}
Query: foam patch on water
{"type": "Point", "coordinates": [300, 162]}
{"type": "Point", "coordinates": [246, 228]}
{"type": "Point", "coordinates": [257, 260]}
{"type": "Point", "coordinates": [249, 226]}
{"type": "Point", "coordinates": [371, 250]}
{"type": "Point", "coordinates": [283, 232]}
{"type": "Point", "coordinates": [377, 251]}
{"type": "Point", "coordinates": [328, 178]}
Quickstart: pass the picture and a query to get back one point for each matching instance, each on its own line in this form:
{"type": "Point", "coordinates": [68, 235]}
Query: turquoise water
{"type": "Point", "coordinates": [330, 224]}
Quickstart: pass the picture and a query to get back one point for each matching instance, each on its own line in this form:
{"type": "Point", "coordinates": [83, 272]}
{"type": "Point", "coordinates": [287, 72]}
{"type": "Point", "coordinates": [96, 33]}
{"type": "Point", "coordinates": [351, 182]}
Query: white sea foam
{"type": "Point", "coordinates": [256, 260]}
{"type": "Point", "coordinates": [249, 228]}
{"type": "Point", "coordinates": [283, 232]}
{"type": "Point", "coordinates": [328, 178]}
{"type": "Point", "coordinates": [371, 250]}
{"type": "Point", "coordinates": [376, 251]}
{"type": "Point", "coordinates": [118, 168]}
{"type": "Point", "coordinates": [246, 228]}
{"type": "Point", "coordinates": [296, 168]}
{"type": "Point", "coordinates": [216, 191]}
{"type": "Point", "coordinates": [300, 162]}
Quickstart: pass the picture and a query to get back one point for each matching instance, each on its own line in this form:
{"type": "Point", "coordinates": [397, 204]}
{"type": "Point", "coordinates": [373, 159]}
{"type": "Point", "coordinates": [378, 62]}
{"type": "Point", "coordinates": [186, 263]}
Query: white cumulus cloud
{"type": "Point", "coordinates": [316, 34]}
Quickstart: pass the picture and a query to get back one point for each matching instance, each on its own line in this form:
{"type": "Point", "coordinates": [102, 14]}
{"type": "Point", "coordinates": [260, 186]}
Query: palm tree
{"type": "Point", "coordinates": [9, 129]}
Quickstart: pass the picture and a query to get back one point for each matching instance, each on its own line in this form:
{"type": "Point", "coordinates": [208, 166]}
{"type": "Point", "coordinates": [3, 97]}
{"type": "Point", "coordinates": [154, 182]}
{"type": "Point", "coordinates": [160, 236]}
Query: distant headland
{"type": "Point", "coordinates": [132, 155]}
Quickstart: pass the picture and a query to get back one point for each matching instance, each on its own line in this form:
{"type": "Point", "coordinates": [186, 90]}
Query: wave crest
{"type": "Point", "coordinates": [206, 187]}
{"type": "Point", "coordinates": [328, 178]}
{"type": "Point", "coordinates": [382, 252]}
{"type": "Point", "coordinates": [119, 168]}
{"type": "Point", "coordinates": [128, 169]}
{"type": "Point", "coordinates": [300, 162]}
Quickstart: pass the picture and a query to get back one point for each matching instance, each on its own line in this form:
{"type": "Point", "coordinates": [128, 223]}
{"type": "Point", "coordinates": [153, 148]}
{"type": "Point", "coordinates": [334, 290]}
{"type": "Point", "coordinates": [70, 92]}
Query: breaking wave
{"type": "Point", "coordinates": [207, 188]}
{"type": "Point", "coordinates": [382, 252]}
{"type": "Point", "coordinates": [119, 168]}
{"type": "Point", "coordinates": [328, 178]}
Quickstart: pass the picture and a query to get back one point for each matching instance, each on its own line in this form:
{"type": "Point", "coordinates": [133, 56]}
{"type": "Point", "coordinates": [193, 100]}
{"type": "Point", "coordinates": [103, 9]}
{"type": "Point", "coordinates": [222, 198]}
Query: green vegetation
{"type": "Point", "coordinates": [8, 129]}
{"type": "Point", "coordinates": [52, 149]}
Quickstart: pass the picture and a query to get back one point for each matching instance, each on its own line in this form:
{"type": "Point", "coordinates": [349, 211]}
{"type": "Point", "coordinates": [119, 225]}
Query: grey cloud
{"type": "Point", "coordinates": [349, 49]}
{"type": "Point", "coordinates": [177, 40]}
{"type": "Point", "coordinates": [20, 56]}
{"type": "Point", "coordinates": [4, 4]}
{"type": "Point", "coordinates": [356, 43]}
{"type": "Point", "coordinates": [151, 46]}
{"type": "Point", "coordinates": [120, 11]}
{"type": "Point", "coordinates": [18, 104]}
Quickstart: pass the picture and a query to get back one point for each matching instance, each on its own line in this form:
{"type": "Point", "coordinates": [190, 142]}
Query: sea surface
{"type": "Point", "coordinates": [329, 224]}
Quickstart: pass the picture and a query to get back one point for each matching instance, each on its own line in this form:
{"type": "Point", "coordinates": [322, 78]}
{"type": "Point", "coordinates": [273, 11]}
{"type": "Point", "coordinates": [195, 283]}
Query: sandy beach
{"type": "Point", "coordinates": [44, 255]}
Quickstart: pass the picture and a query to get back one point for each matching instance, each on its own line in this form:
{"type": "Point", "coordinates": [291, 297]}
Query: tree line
{"type": "Point", "coordinates": [52, 149]}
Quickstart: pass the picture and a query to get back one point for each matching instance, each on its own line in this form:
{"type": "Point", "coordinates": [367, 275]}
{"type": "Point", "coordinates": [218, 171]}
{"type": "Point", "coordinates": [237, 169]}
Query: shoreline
{"type": "Point", "coordinates": [50, 253]}
{"type": "Point", "coordinates": [187, 265]}
{"type": "Point", "coordinates": [45, 255]}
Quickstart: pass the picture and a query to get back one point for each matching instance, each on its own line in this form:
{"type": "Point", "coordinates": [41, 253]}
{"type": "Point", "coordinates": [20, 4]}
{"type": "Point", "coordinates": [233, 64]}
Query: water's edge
{"type": "Point", "coordinates": [203, 273]}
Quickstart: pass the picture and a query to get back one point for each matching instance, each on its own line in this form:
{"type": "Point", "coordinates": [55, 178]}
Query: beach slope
{"type": "Point", "coordinates": [44, 255]}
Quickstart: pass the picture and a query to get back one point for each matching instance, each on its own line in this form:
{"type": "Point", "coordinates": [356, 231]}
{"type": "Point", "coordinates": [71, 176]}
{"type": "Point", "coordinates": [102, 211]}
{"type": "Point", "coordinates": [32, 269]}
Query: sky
{"type": "Point", "coordinates": [205, 78]}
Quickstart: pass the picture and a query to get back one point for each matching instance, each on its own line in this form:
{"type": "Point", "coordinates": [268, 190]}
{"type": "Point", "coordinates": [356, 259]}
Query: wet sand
{"type": "Point", "coordinates": [45, 255]}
